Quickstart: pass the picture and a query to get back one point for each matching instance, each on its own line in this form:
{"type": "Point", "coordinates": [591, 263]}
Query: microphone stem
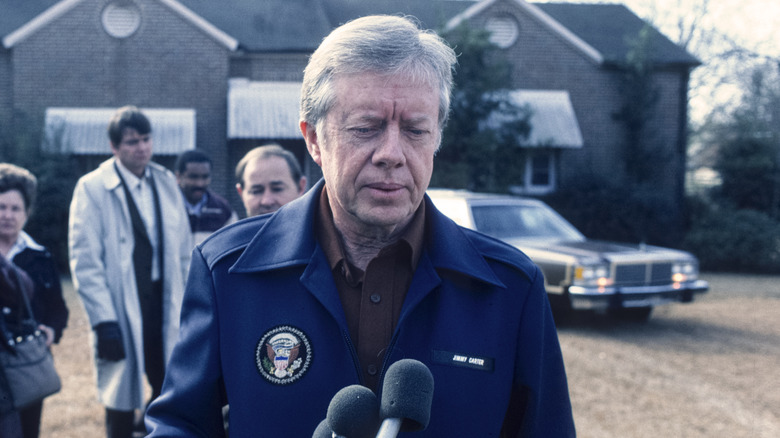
{"type": "Point", "coordinates": [390, 428]}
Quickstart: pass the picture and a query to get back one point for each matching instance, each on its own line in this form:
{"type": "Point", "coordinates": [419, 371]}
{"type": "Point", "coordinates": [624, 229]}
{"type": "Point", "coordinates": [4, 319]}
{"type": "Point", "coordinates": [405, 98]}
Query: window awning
{"type": "Point", "coordinates": [553, 122]}
{"type": "Point", "coordinates": [263, 109]}
{"type": "Point", "coordinates": [84, 131]}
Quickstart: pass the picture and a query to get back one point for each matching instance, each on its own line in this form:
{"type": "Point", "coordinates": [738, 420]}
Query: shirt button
{"type": "Point", "coordinates": [372, 370]}
{"type": "Point", "coordinates": [376, 298]}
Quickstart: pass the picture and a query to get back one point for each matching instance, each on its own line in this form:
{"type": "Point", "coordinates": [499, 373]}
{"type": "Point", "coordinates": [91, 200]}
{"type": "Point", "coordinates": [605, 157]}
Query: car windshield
{"type": "Point", "coordinates": [520, 221]}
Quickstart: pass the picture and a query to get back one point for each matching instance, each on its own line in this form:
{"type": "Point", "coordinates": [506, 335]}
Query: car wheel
{"type": "Point", "coordinates": [638, 314]}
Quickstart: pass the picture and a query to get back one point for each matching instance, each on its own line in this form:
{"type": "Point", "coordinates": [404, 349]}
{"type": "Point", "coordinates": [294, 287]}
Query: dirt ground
{"type": "Point", "coordinates": [705, 369]}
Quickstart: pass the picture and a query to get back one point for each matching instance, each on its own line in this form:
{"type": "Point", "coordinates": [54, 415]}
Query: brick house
{"type": "Point", "coordinates": [224, 76]}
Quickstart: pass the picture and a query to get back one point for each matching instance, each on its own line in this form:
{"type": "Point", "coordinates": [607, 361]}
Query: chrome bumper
{"type": "Point", "coordinates": [583, 298]}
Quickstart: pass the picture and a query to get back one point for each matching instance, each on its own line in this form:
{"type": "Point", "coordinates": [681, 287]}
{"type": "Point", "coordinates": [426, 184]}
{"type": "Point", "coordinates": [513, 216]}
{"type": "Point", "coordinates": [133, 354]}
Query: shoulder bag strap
{"type": "Point", "coordinates": [21, 287]}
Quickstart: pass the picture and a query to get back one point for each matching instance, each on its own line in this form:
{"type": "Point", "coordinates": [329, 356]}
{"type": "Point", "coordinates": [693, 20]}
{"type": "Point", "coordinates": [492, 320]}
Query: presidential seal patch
{"type": "Point", "coordinates": [283, 355]}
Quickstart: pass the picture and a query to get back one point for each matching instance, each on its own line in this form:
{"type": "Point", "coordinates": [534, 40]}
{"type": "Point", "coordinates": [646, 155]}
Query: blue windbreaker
{"type": "Point", "coordinates": [262, 324]}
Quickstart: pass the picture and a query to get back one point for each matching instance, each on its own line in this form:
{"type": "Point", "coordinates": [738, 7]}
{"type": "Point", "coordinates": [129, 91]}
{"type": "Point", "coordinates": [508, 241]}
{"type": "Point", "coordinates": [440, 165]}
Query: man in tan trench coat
{"type": "Point", "coordinates": [130, 249]}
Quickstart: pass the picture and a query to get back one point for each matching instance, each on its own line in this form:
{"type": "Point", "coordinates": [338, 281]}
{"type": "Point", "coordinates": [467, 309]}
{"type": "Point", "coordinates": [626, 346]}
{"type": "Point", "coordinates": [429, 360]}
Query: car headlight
{"type": "Point", "coordinates": [685, 271]}
{"type": "Point", "coordinates": [592, 275]}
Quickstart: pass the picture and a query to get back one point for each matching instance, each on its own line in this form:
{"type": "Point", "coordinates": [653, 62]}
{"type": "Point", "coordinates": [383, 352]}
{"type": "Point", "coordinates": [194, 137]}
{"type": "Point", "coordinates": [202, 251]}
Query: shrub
{"type": "Point", "coordinates": [57, 175]}
{"type": "Point", "coordinates": [605, 210]}
{"type": "Point", "coordinates": [48, 223]}
{"type": "Point", "coordinates": [749, 168]}
{"type": "Point", "coordinates": [728, 239]}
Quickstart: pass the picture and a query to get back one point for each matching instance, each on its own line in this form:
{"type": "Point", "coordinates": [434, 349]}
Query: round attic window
{"type": "Point", "coordinates": [120, 20]}
{"type": "Point", "coordinates": [503, 31]}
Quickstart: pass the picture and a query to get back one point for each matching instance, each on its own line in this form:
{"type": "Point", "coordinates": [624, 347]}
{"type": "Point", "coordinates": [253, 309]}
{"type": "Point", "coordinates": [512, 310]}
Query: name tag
{"type": "Point", "coordinates": [463, 360]}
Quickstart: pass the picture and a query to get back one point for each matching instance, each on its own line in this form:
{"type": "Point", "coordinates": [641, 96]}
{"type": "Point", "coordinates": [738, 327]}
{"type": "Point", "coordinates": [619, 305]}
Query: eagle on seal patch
{"type": "Point", "coordinates": [282, 350]}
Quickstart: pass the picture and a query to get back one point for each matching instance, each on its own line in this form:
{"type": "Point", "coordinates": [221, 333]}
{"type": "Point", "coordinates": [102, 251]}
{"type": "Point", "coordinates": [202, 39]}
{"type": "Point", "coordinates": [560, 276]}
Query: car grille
{"type": "Point", "coordinates": [643, 274]}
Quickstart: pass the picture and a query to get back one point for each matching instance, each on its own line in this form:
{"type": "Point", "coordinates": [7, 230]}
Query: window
{"type": "Point", "coordinates": [538, 175]}
{"type": "Point", "coordinates": [540, 170]}
{"type": "Point", "coordinates": [503, 31]}
{"type": "Point", "coordinates": [121, 20]}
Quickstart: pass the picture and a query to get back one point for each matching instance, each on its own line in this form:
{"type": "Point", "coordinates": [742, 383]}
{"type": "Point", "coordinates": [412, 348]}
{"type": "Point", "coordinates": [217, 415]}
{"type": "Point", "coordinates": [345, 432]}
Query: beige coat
{"type": "Point", "coordinates": [100, 241]}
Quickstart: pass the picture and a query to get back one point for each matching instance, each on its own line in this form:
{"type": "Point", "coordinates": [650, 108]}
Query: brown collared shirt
{"type": "Point", "coordinates": [372, 300]}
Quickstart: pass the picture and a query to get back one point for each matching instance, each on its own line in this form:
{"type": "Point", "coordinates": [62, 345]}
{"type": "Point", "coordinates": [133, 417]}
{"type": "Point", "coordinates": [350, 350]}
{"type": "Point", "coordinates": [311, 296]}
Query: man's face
{"type": "Point", "coordinates": [134, 151]}
{"type": "Point", "coordinates": [194, 181]}
{"type": "Point", "coordinates": [268, 184]}
{"type": "Point", "coordinates": [376, 148]}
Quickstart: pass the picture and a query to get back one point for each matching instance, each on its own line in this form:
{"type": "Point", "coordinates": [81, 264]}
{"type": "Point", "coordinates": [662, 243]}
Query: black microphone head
{"type": "Point", "coordinates": [407, 393]}
{"type": "Point", "coordinates": [354, 412]}
{"type": "Point", "coordinates": [323, 430]}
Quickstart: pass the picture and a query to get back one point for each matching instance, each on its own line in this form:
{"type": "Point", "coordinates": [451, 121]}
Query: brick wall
{"type": "Point", "coordinates": [166, 63]}
{"type": "Point", "coordinates": [170, 63]}
{"type": "Point", "coordinates": [286, 67]}
{"type": "Point", "coordinates": [542, 59]}
{"type": "Point", "coordinates": [6, 93]}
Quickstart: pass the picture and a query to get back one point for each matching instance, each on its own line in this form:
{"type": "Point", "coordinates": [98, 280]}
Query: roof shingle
{"type": "Point", "coordinates": [300, 25]}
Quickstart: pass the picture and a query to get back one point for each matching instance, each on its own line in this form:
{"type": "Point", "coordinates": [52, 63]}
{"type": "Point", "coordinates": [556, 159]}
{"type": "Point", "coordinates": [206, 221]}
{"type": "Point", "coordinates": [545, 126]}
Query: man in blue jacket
{"type": "Point", "coordinates": [283, 310]}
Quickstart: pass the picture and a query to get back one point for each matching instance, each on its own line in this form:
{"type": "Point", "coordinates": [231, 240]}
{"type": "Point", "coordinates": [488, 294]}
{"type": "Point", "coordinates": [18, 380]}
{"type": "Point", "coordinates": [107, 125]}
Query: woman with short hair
{"type": "Point", "coordinates": [17, 195]}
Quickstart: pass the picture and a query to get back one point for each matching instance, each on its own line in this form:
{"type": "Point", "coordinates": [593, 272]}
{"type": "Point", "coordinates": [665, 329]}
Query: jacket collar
{"type": "Point", "coordinates": [290, 231]}
{"type": "Point", "coordinates": [449, 247]}
{"type": "Point", "coordinates": [24, 241]}
{"type": "Point", "coordinates": [111, 179]}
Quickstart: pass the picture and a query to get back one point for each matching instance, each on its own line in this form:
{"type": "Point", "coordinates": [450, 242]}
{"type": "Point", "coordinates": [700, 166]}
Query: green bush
{"type": "Point", "coordinates": [57, 174]}
{"type": "Point", "coordinates": [749, 168]}
{"type": "Point", "coordinates": [48, 223]}
{"type": "Point", "coordinates": [605, 210]}
{"type": "Point", "coordinates": [728, 239]}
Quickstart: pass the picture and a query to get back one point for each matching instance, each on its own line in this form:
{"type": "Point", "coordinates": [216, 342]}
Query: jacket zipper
{"type": "Point", "coordinates": [353, 352]}
{"type": "Point", "coordinates": [386, 360]}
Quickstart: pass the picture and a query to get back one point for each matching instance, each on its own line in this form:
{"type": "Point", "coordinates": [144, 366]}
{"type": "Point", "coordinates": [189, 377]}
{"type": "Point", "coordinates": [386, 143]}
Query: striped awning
{"type": "Point", "coordinates": [263, 110]}
{"type": "Point", "coordinates": [553, 122]}
{"type": "Point", "coordinates": [84, 131]}
{"type": "Point", "coordinates": [270, 110]}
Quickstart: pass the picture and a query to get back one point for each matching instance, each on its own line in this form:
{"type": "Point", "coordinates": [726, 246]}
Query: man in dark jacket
{"type": "Point", "coordinates": [207, 211]}
{"type": "Point", "coordinates": [283, 310]}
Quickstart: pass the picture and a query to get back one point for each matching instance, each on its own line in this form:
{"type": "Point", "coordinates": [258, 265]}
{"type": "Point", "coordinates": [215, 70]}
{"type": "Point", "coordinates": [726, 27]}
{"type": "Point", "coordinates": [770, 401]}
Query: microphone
{"type": "Point", "coordinates": [352, 413]}
{"type": "Point", "coordinates": [323, 430]}
{"type": "Point", "coordinates": [407, 395]}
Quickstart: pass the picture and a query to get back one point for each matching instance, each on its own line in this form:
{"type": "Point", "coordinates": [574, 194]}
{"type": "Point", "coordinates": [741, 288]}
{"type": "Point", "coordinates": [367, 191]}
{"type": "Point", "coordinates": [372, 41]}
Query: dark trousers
{"type": "Point", "coordinates": [154, 356]}
{"type": "Point", "coordinates": [31, 419]}
{"type": "Point", "coordinates": [10, 425]}
{"type": "Point", "coordinates": [120, 424]}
